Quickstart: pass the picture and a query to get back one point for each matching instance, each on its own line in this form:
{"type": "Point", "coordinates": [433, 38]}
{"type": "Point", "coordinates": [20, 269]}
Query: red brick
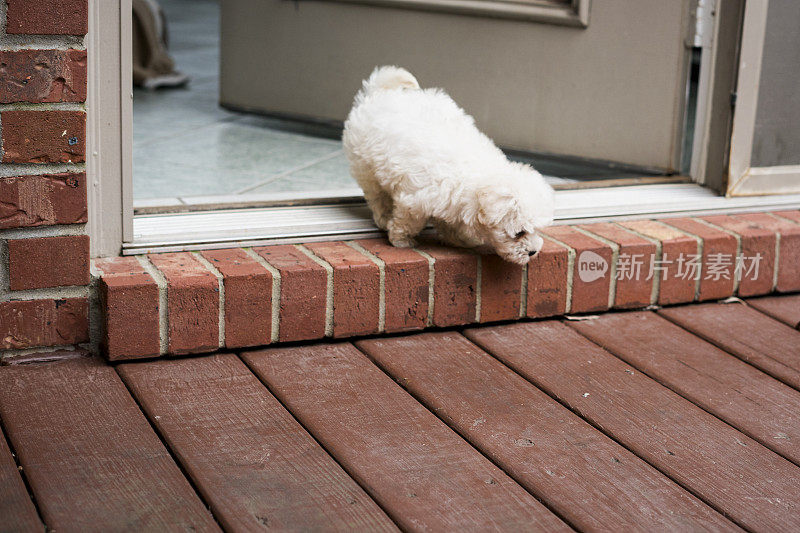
{"type": "Point", "coordinates": [635, 263]}
{"type": "Point", "coordinates": [548, 273]}
{"type": "Point", "coordinates": [714, 284]}
{"type": "Point", "coordinates": [38, 76]}
{"type": "Point", "coordinates": [248, 297]}
{"type": "Point", "coordinates": [129, 298]}
{"type": "Point", "coordinates": [405, 285]}
{"type": "Point", "coordinates": [788, 248]}
{"type": "Point", "coordinates": [192, 303]}
{"type": "Point", "coordinates": [590, 295]}
{"type": "Point", "coordinates": [791, 215]}
{"type": "Point", "coordinates": [455, 284]}
{"type": "Point", "coordinates": [34, 323]}
{"type": "Point", "coordinates": [303, 293]}
{"type": "Point", "coordinates": [501, 285]}
{"type": "Point", "coordinates": [677, 285]}
{"type": "Point", "coordinates": [756, 241]}
{"type": "Point", "coordinates": [356, 288]}
{"type": "Point", "coordinates": [51, 17]}
{"type": "Point", "coordinates": [48, 262]}
{"type": "Point", "coordinates": [52, 136]}
{"type": "Point", "coordinates": [42, 200]}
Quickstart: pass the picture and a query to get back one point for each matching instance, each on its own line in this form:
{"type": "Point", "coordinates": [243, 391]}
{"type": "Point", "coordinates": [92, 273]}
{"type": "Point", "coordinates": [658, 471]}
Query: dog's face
{"type": "Point", "coordinates": [513, 210]}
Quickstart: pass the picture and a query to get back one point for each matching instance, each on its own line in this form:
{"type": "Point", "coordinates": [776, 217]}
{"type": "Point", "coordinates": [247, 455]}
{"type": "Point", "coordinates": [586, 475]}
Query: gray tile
{"type": "Point", "coordinates": [334, 171]}
{"type": "Point", "coordinates": [324, 176]}
{"type": "Point", "coordinates": [168, 112]}
{"type": "Point", "coordinates": [291, 184]}
{"type": "Point", "coordinates": [229, 147]}
{"type": "Point", "coordinates": [157, 178]}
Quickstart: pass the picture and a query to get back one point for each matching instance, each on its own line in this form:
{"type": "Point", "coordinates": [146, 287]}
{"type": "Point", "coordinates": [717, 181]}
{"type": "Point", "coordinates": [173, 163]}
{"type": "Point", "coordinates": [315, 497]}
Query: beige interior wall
{"type": "Point", "coordinates": [611, 91]}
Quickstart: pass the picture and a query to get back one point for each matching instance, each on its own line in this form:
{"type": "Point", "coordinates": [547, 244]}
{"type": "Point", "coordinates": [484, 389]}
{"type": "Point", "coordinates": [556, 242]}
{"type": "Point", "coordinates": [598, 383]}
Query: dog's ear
{"type": "Point", "coordinates": [495, 203]}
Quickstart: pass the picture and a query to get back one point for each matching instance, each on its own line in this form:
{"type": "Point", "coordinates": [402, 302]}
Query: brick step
{"type": "Point", "coordinates": [193, 302]}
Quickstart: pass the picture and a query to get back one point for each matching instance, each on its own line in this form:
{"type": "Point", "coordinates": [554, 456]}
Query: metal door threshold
{"type": "Point", "coordinates": [308, 223]}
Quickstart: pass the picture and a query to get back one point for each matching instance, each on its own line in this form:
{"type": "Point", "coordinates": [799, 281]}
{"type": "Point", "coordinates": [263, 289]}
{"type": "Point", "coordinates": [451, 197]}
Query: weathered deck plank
{"type": "Point", "coordinates": [253, 463]}
{"type": "Point", "coordinates": [424, 475]}
{"type": "Point", "coordinates": [92, 460]}
{"type": "Point", "coordinates": [785, 308]}
{"type": "Point", "coordinates": [590, 480]}
{"type": "Point", "coordinates": [747, 482]}
{"type": "Point", "coordinates": [743, 396]}
{"type": "Point", "coordinates": [17, 512]}
{"type": "Point", "coordinates": [746, 333]}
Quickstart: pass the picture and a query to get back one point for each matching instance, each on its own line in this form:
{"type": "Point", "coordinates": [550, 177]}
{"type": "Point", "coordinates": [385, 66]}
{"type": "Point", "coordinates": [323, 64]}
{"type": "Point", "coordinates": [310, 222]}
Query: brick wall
{"type": "Point", "coordinates": [44, 249]}
{"type": "Point", "coordinates": [193, 302]}
{"type": "Point", "coordinates": [199, 302]}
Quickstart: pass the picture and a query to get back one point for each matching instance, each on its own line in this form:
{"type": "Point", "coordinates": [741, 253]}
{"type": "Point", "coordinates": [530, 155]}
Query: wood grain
{"type": "Point", "coordinates": [785, 308]}
{"type": "Point", "coordinates": [747, 482]}
{"type": "Point", "coordinates": [17, 512]}
{"type": "Point", "coordinates": [254, 464]}
{"type": "Point", "coordinates": [92, 460]}
{"type": "Point", "coordinates": [746, 333]}
{"type": "Point", "coordinates": [749, 400]}
{"type": "Point", "coordinates": [424, 475]}
{"type": "Point", "coordinates": [591, 481]}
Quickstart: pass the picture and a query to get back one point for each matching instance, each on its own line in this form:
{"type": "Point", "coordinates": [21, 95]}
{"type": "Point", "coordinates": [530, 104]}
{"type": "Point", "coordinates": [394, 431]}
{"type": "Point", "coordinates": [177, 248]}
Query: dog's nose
{"type": "Point", "coordinates": [532, 253]}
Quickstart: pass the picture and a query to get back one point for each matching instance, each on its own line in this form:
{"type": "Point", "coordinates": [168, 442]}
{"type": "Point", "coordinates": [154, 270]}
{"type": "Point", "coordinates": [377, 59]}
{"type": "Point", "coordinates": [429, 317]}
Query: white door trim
{"type": "Point", "coordinates": [249, 227]}
{"type": "Point", "coordinates": [743, 179]}
{"type": "Point", "coordinates": [109, 127]}
{"type": "Point", "coordinates": [112, 226]}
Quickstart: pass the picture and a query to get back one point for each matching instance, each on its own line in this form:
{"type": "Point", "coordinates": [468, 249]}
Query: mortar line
{"type": "Point", "coordinates": [163, 315]}
{"type": "Point", "coordinates": [656, 288]}
{"type": "Point", "coordinates": [782, 218]}
{"type": "Point", "coordinates": [478, 286]}
{"type": "Point", "coordinates": [737, 274]}
{"type": "Point", "coordinates": [381, 282]}
{"type": "Point", "coordinates": [221, 284]}
{"type": "Point", "coordinates": [777, 261]}
{"type": "Point", "coordinates": [700, 252]}
{"type": "Point", "coordinates": [276, 292]}
{"type": "Point", "coordinates": [46, 293]}
{"type": "Point", "coordinates": [523, 292]}
{"type": "Point", "coordinates": [431, 284]}
{"type": "Point", "coordinates": [44, 106]}
{"type": "Point", "coordinates": [97, 330]}
{"type": "Point", "coordinates": [571, 256]}
{"type": "Point", "coordinates": [328, 289]}
{"type": "Point", "coordinates": [35, 232]}
{"type": "Point", "coordinates": [612, 270]}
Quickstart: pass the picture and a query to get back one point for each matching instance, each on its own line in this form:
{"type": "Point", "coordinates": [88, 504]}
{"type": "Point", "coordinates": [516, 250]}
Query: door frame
{"type": "Point", "coordinates": [109, 126]}
{"type": "Point", "coordinates": [744, 179]}
{"type": "Point", "coordinates": [109, 107]}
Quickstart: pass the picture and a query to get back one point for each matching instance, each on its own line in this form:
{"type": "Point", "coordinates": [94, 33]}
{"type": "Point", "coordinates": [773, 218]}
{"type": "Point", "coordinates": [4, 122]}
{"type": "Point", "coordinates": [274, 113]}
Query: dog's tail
{"type": "Point", "coordinates": [386, 78]}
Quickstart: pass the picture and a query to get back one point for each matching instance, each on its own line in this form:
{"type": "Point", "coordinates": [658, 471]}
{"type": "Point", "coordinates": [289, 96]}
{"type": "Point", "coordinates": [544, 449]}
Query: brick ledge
{"type": "Point", "coordinates": [192, 302]}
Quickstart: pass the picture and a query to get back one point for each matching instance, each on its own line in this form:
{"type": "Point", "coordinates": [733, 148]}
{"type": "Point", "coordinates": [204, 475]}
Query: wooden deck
{"type": "Point", "coordinates": [686, 418]}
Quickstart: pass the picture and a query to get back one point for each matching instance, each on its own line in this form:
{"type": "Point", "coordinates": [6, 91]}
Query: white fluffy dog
{"type": "Point", "coordinates": [419, 157]}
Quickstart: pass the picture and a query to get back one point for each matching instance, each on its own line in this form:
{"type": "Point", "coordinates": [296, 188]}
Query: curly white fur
{"type": "Point", "coordinates": [419, 157]}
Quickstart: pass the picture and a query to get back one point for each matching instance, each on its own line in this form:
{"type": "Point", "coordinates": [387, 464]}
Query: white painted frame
{"type": "Point", "coordinates": [574, 13]}
{"type": "Point", "coordinates": [707, 27]}
{"type": "Point", "coordinates": [109, 127]}
{"type": "Point", "coordinates": [113, 229]}
{"type": "Point", "coordinates": [743, 179]}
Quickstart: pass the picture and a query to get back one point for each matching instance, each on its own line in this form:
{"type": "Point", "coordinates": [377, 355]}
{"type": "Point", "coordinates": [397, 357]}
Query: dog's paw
{"type": "Point", "coordinates": [381, 221]}
{"type": "Point", "coordinates": [402, 242]}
